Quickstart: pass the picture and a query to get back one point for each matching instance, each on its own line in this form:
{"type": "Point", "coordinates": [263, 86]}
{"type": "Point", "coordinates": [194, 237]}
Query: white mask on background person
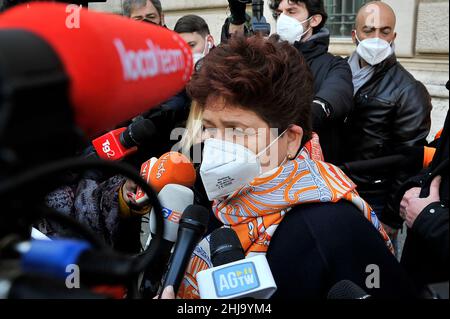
{"type": "Point", "coordinates": [200, 55]}
{"type": "Point", "coordinates": [290, 29]}
{"type": "Point", "coordinates": [374, 50]}
{"type": "Point", "coordinates": [227, 166]}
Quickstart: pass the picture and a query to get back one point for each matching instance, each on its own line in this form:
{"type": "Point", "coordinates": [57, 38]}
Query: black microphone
{"type": "Point", "coordinates": [138, 132]}
{"type": "Point", "coordinates": [193, 224]}
{"type": "Point", "coordinates": [346, 289]}
{"type": "Point", "coordinates": [225, 247]}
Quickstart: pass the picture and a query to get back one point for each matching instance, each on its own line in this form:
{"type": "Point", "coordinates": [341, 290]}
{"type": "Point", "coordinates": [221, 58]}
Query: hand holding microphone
{"type": "Point", "coordinates": [130, 189]}
{"type": "Point", "coordinates": [170, 168]}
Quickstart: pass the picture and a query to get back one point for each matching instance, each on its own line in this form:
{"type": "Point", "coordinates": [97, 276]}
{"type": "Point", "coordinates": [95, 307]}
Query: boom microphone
{"type": "Point", "coordinates": [117, 67]}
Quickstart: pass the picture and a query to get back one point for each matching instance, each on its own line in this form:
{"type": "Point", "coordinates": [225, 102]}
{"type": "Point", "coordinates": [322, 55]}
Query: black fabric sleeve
{"type": "Point", "coordinates": [318, 245]}
{"type": "Point", "coordinates": [432, 226]}
{"type": "Point", "coordinates": [337, 89]}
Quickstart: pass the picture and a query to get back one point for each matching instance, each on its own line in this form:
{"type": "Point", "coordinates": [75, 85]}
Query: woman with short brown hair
{"type": "Point", "coordinates": [262, 168]}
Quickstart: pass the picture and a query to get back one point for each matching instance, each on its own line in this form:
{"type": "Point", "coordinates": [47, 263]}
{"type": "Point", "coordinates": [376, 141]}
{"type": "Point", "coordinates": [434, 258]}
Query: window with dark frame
{"type": "Point", "coordinates": [341, 16]}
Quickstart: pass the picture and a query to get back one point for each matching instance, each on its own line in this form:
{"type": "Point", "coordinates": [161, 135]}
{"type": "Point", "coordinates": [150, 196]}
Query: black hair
{"type": "Point", "coordinates": [136, 4]}
{"type": "Point", "coordinates": [192, 23]}
{"type": "Point", "coordinates": [313, 6]}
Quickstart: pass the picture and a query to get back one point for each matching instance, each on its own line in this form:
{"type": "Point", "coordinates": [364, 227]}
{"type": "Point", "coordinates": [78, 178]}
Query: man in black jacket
{"type": "Point", "coordinates": [424, 206]}
{"type": "Point", "coordinates": [302, 23]}
{"type": "Point", "coordinates": [392, 109]}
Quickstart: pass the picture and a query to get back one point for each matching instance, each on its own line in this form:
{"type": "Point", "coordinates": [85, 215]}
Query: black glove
{"type": "Point", "coordinates": [237, 9]}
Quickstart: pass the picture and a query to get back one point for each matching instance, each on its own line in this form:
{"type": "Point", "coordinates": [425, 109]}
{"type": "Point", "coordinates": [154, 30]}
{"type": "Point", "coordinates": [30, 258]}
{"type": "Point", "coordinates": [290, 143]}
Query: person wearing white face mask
{"type": "Point", "coordinates": [195, 31]}
{"type": "Point", "coordinates": [301, 23]}
{"type": "Point", "coordinates": [392, 109]}
{"type": "Point", "coordinates": [263, 172]}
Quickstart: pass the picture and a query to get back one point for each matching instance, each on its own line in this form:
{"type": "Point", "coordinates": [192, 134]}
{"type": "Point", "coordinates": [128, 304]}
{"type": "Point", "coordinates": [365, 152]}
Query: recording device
{"type": "Point", "coordinates": [234, 276]}
{"type": "Point", "coordinates": [259, 23]}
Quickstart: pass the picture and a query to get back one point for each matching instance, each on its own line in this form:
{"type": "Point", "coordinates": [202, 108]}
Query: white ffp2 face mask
{"type": "Point", "coordinates": [200, 55]}
{"type": "Point", "coordinates": [290, 29]}
{"type": "Point", "coordinates": [227, 166]}
{"type": "Point", "coordinates": [374, 50]}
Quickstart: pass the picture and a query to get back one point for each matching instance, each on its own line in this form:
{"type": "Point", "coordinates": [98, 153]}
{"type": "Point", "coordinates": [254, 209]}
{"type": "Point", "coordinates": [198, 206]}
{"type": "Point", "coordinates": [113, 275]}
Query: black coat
{"type": "Point", "coordinates": [391, 110]}
{"type": "Point", "coordinates": [311, 251]}
{"type": "Point", "coordinates": [332, 85]}
{"type": "Point", "coordinates": [166, 117]}
{"type": "Point", "coordinates": [426, 252]}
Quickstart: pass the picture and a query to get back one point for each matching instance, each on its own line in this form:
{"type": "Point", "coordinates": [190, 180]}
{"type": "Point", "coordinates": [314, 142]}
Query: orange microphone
{"type": "Point", "coordinates": [170, 168]}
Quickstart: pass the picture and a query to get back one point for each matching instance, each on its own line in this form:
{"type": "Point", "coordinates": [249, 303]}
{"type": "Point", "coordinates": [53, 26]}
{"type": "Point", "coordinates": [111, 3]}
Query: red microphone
{"type": "Point", "coordinates": [118, 68]}
{"type": "Point", "coordinates": [124, 141]}
{"type": "Point", "coordinates": [109, 147]}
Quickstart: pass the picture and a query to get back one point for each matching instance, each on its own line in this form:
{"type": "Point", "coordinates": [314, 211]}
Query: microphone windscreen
{"type": "Point", "coordinates": [118, 68]}
{"type": "Point", "coordinates": [346, 289]}
{"type": "Point", "coordinates": [196, 216]}
{"type": "Point", "coordinates": [137, 133]}
{"type": "Point", "coordinates": [172, 168]}
{"type": "Point", "coordinates": [225, 247]}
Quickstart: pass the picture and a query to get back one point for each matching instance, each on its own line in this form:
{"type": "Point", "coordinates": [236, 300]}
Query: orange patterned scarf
{"type": "Point", "coordinates": [255, 211]}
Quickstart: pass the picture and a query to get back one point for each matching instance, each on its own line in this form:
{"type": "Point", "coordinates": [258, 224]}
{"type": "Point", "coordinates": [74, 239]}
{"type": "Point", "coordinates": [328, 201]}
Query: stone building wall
{"type": "Point", "coordinates": [422, 43]}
